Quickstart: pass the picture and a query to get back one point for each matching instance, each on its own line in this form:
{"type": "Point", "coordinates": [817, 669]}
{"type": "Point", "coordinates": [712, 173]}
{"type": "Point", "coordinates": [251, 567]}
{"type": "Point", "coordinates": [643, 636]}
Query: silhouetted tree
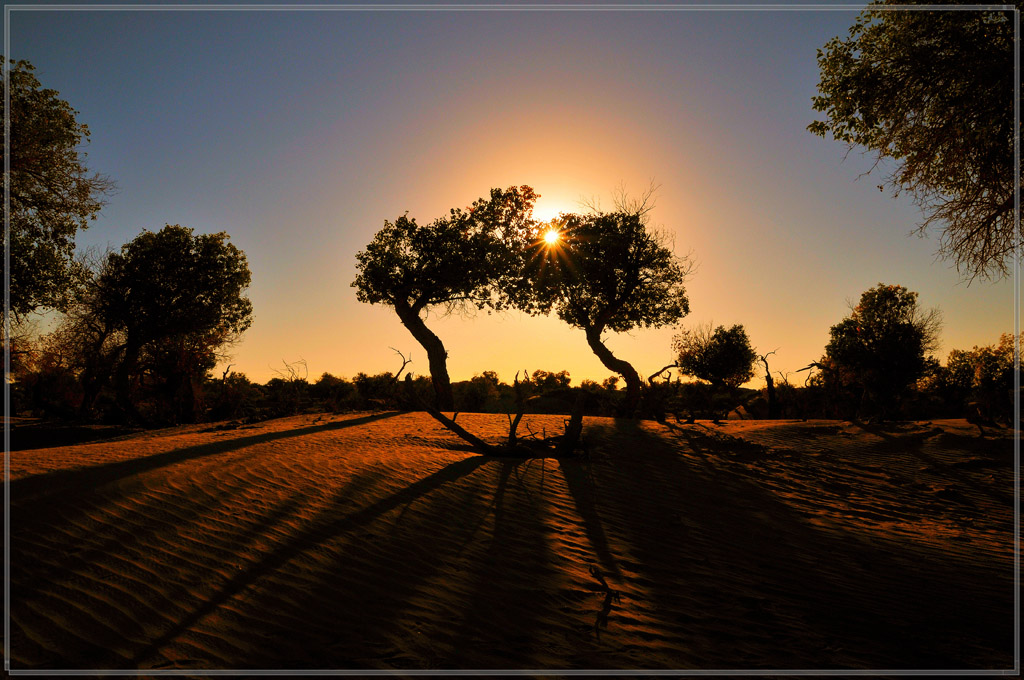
{"type": "Point", "coordinates": [722, 357]}
{"type": "Point", "coordinates": [881, 349]}
{"type": "Point", "coordinates": [608, 272]}
{"type": "Point", "coordinates": [84, 342]}
{"type": "Point", "coordinates": [52, 193]}
{"type": "Point", "coordinates": [235, 396]}
{"type": "Point", "coordinates": [45, 382]}
{"type": "Point", "coordinates": [178, 366]}
{"type": "Point", "coordinates": [979, 382]}
{"type": "Point", "coordinates": [934, 92]}
{"type": "Point", "coordinates": [465, 260]}
{"type": "Point", "coordinates": [769, 382]}
{"type": "Point", "coordinates": [288, 393]}
{"type": "Point", "coordinates": [170, 287]}
{"type": "Point", "coordinates": [547, 380]}
{"type": "Point", "coordinates": [333, 393]}
{"type": "Point", "coordinates": [91, 341]}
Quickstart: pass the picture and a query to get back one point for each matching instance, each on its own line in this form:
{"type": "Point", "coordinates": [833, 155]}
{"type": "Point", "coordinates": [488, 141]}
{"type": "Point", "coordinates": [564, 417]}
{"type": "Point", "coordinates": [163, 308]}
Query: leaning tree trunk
{"type": "Point", "coordinates": [437, 356]}
{"type": "Point", "coordinates": [623, 368]}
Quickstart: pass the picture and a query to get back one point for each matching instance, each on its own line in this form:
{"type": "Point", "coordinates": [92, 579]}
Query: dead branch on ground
{"type": "Point", "coordinates": [557, 445]}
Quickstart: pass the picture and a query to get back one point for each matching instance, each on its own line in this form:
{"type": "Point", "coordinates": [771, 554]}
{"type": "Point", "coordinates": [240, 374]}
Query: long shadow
{"type": "Point", "coordinates": [500, 620]}
{"type": "Point", "coordinates": [119, 536]}
{"type": "Point", "coordinates": [45, 487]}
{"type": "Point", "coordinates": [51, 552]}
{"type": "Point", "coordinates": [31, 585]}
{"type": "Point", "coordinates": [433, 588]}
{"type": "Point", "coordinates": [582, 489]}
{"type": "Point", "coordinates": [317, 534]}
{"type": "Point", "coordinates": [45, 435]}
{"type": "Point", "coordinates": [745, 582]}
{"type": "Point", "coordinates": [913, 445]}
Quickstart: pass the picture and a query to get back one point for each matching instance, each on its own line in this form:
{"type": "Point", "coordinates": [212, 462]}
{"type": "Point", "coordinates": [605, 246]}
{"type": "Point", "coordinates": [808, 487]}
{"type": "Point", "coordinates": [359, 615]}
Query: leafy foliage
{"type": "Point", "coordinates": [881, 349]}
{"type": "Point", "coordinates": [723, 357]}
{"type": "Point", "coordinates": [458, 260]}
{"type": "Point", "coordinates": [933, 91]}
{"type": "Point", "coordinates": [471, 258]}
{"type": "Point", "coordinates": [983, 377]}
{"type": "Point", "coordinates": [52, 193]}
{"type": "Point", "coordinates": [607, 271]}
{"type": "Point", "coordinates": [171, 283]}
{"type": "Point", "coordinates": [177, 297]}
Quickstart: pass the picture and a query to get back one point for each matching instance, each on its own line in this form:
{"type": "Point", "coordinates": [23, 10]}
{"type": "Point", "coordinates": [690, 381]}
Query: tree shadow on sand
{"type": "Point", "coordinates": [482, 562]}
{"type": "Point", "coordinates": [321, 531]}
{"type": "Point", "coordinates": [41, 489]}
{"type": "Point", "coordinates": [983, 453]}
{"type": "Point", "coordinates": [477, 560]}
{"type": "Point", "coordinates": [745, 581]}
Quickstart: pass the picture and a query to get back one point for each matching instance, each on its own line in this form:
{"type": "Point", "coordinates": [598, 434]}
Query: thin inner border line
{"type": "Point", "coordinates": [521, 8]}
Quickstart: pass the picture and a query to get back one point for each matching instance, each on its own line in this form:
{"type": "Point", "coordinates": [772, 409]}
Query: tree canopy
{"type": "Point", "coordinates": [608, 271]}
{"type": "Point", "coordinates": [174, 282]}
{"type": "Point", "coordinates": [176, 295]}
{"type": "Point", "coordinates": [882, 348]}
{"type": "Point", "coordinates": [468, 259]}
{"type": "Point", "coordinates": [982, 376]}
{"type": "Point", "coordinates": [52, 194]}
{"type": "Point", "coordinates": [723, 357]}
{"type": "Point", "coordinates": [933, 91]}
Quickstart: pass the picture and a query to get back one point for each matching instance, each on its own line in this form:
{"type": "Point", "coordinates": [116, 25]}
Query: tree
{"type": "Point", "coordinates": [723, 357]}
{"type": "Point", "coordinates": [769, 384]}
{"type": "Point", "coordinates": [933, 91]}
{"type": "Point", "coordinates": [177, 295]}
{"type": "Point", "coordinates": [979, 381]}
{"type": "Point", "coordinates": [91, 342]}
{"type": "Point", "coordinates": [547, 380]}
{"type": "Point", "coordinates": [52, 194]}
{"type": "Point", "coordinates": [882, 348]}
{"type": "Point", "coordinates": [465, 260]}
{"type": "Point", "coordinates": [608, 272]}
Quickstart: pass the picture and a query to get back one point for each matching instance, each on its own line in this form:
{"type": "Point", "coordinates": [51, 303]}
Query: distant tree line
{"type": "Point", "coordinates": [876, 366]}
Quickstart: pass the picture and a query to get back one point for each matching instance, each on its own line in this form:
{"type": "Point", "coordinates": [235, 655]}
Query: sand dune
{"type": "Point", "coordinates": [381, 541]}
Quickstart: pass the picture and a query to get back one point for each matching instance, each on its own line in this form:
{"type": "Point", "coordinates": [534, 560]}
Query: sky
{"type": "Point", "coordinates": [298, 132]}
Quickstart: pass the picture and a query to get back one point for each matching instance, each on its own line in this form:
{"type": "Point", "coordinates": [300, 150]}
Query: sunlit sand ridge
{"type": "Point", "coordinates": [380, 541]}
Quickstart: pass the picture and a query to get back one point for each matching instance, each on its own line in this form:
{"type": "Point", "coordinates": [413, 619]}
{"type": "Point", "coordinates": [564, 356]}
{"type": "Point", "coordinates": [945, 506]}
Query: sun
{"type": "Point", "coordinates": [551, 237]}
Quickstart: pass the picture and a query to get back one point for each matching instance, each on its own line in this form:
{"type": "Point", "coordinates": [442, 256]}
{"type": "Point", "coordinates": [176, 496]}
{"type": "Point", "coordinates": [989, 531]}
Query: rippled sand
{"type": "Point", "coordinates": [381, 541]}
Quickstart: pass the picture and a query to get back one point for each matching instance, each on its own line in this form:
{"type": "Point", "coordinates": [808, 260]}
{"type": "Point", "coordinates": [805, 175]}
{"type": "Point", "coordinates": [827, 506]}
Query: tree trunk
{"type": "Point", "coordinates": [623, 368]}
{"type": "Point", "coordinates": [94, 377]}
{"type": "Point", "coordinates": [90, 390]}
{"type": "Point", "coordinates": [773, 404]}
{"type": "Point", "coordinates": [183, 398]}
{"type": "Point", "coordinates": [122, 382]}
{"type": "Point", "coordinates": [437, 356]}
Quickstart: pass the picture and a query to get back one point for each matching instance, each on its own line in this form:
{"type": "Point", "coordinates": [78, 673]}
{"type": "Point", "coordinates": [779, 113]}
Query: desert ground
{"type": "Point", "coordinates": [381, 541]}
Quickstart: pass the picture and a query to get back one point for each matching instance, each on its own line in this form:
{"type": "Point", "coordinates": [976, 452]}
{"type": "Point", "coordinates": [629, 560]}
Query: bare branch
{"type": "Point", "coordinates": [650, 380]}
{"type": "Point", "coordinates": [405, 362]}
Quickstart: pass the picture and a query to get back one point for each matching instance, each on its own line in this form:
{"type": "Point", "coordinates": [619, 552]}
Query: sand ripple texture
{"type": "Point", "coordinates": [380, 541]}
